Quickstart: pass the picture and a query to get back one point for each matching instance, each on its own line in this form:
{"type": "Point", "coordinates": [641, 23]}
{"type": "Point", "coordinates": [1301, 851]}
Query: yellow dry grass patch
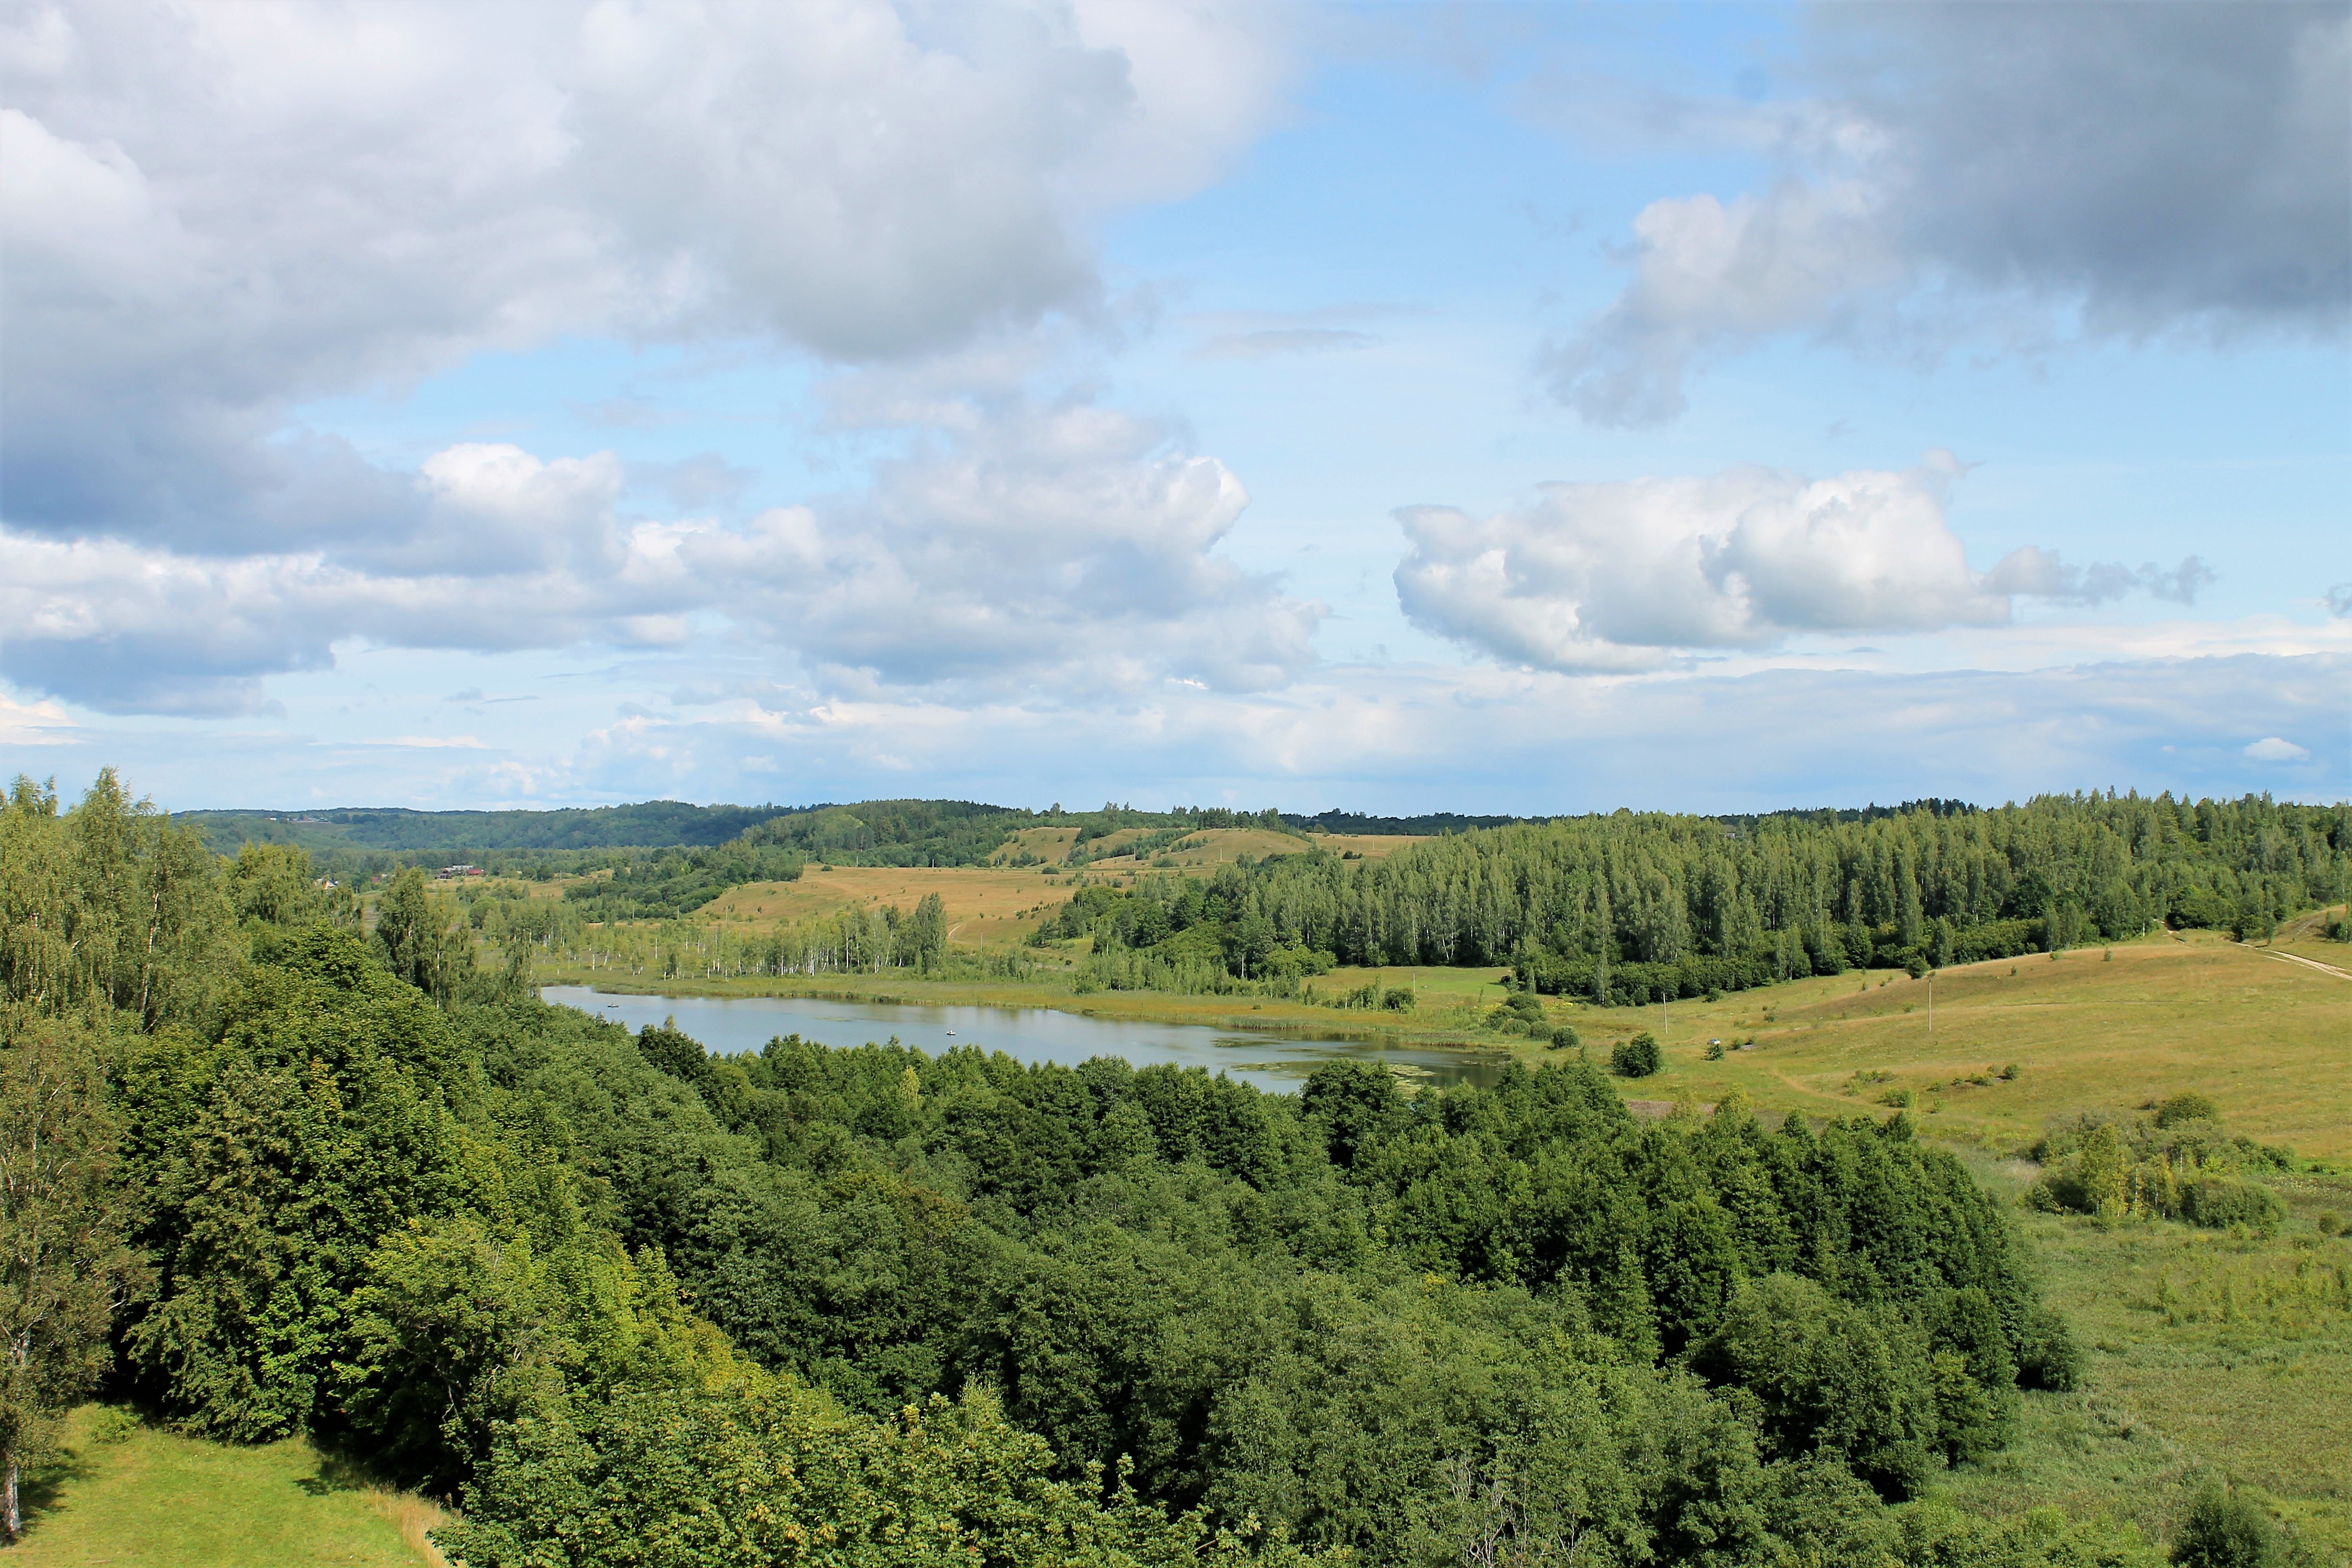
{"type": "Point", "coordinates": [1050, 845]}
{"type": "Point", "coordinates": [984, 904]}
{"type": "Point", "coordinates": [1365, 846]}
{"type": "Point", "coordinates": [2270, 1041]}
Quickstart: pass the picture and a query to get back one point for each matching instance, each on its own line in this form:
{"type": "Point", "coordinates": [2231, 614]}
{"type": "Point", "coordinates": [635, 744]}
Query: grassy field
{"type": "Point", "coordinates": [122, 1493]}
{"type": "Point", "coordinates": [985, 907]}
{"type": "Point", "coordinates": [2095, 1029]}
{"type": "Point", "coordinates": [2209, 1355]}
{"type": "Point", "coordinates": [2302, 936]}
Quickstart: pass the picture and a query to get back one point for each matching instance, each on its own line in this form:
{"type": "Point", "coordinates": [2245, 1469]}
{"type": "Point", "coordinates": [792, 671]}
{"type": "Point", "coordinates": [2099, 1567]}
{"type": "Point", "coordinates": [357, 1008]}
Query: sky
{"type": "Point", "coordinates": [1390, 409]}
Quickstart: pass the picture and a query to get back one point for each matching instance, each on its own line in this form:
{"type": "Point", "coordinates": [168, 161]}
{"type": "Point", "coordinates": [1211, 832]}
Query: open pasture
{"type": "Point", "coordinates": [2095, 1029]}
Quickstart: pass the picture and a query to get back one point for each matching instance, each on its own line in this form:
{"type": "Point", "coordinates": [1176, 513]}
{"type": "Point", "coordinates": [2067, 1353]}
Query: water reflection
{"type": "Point", "coordinates": [731, 1024]}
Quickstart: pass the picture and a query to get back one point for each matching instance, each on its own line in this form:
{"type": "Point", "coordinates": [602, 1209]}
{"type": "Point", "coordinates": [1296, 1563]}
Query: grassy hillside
{"type": "Point", "coordinates": [123, 1493]}
{"type": "Point", "coordinates": [2095, 1029]}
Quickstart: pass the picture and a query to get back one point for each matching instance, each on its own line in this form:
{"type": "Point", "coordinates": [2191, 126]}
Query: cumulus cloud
{"type": "Point", "coordinates": [215, 212]}
{"type": "Point", "coordinates": [1070, 542]}
{"type": "Point", "coordinates": [2271, 749]}
{"type": "Point", "coordinates": [1619, 576]}
{"type": "Point", "coordinates": [1064, 543]}
{"type": "Point", "coordinates": [2145, 170]}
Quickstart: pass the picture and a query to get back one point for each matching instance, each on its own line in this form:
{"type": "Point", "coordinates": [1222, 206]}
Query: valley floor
{"type": "Point", "coordinates": [2099, 1029]}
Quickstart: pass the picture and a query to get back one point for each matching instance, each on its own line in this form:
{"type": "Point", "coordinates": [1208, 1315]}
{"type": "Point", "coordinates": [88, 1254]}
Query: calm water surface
{"type": "Point", "coordinates": [731, 1024]}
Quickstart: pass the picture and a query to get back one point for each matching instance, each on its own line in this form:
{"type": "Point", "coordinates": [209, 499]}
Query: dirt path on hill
{"type": "Point", "coordinates": [2312, 964]}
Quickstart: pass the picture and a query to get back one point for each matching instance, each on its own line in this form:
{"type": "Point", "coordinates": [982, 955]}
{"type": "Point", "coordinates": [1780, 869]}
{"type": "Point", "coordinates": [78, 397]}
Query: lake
{"type": "Point", "coordinates": [733, 1024]}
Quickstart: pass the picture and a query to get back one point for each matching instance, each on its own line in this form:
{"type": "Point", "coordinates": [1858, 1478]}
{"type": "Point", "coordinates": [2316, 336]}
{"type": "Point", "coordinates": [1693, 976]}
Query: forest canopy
{"type": "Point", "coordinates": [1629, 908]}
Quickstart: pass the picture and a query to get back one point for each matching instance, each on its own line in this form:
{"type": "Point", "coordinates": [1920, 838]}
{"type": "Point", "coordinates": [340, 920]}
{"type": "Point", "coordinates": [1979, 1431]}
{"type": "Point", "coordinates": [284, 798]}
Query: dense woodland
{"type": "Point", "coordinates": [1627, 908]}
{"type": "Point", "coordinates": [346, 843]}
{"type": "Point", "coordinates": [630, 1303]}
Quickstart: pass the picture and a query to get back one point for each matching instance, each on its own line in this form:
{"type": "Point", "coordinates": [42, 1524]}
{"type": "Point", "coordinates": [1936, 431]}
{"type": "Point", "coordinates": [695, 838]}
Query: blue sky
{"type": "Point", "coordinates": [1392, 408]}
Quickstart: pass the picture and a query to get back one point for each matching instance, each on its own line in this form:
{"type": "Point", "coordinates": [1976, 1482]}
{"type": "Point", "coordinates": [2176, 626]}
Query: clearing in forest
{"type": "Point", "coordinates": [121, 1492]}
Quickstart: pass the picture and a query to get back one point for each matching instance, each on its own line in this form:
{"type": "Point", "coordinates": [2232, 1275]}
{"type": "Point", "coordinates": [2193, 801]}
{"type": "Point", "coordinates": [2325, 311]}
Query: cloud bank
{"type": "Point", "coordinates": [2119, 171]}
{"type": "Point", "coordinates": [215, 212]}
{"type": "Point", "coordinates": [1063, 544]}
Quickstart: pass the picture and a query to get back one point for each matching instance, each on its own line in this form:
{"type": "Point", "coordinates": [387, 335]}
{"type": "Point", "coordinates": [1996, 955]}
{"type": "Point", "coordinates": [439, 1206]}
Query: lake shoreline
{"type": "Point", "coordinates": [1278, 1060]}
{"type": "Point", "coordinates": [1269, 1016]}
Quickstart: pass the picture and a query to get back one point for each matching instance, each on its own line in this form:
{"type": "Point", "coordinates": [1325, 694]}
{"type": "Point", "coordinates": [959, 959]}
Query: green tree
{"type": "Point", "coordinates": [1636, 1058]}
{"type": "Point", "coordinates": [63, 1266]}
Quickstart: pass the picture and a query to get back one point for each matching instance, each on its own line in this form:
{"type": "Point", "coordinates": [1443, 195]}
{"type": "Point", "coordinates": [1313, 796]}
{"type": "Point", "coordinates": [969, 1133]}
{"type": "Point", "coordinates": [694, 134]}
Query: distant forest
{"type": "Point", "coordinates": [1629, 908]}
{"type": "Point", "coordinates": [571, 841]}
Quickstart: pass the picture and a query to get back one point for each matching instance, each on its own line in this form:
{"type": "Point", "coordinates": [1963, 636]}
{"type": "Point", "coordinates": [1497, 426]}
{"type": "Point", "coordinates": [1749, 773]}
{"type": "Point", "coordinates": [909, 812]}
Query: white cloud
{"type": "Point", "coordinates": [1064, 543]}
{"type": "Point", "coordinates": [1617, 576]}
{"type": "Point", "coordinates": [2271, 749]}
{"type": "Point", "coordinates": [2135, 170]}
{"type": "Point", "coordinates": [1069, 543]}
{"type": "Point", "coordinates": [33, 723]}
{"type": "Point", "coordinates": [213, 212]}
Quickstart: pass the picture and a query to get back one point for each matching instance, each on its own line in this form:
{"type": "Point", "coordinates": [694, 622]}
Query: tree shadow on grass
{"type": "Point", "coordinates": [73, 1460]}
{"type": "Point", "coordinates": [339, 1473]}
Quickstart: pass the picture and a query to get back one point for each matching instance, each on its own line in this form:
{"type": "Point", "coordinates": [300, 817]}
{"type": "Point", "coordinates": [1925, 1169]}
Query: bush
{"type": "Point", "coordinates": [2048, 1356]}
{"type": "Point", "coordinates": [2216, 1202]}
{"type": "Point", "coordinates": [2226, 1531]}
{"type": "Point", "coordinates": [1521, 1008]}
{"type": "Point", "coordinates": [1636, 1058]}
{"type": "Point", "coordinates": [1563, 1038]}
{"type": "Point", "coordinates": [1398, 1000]}
{"type": "Point", "coordinates": [2186, 1108]}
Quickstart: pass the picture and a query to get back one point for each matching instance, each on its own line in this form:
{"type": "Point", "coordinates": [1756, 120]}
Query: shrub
{"type": "Point", "coordinates": [1636, 1058]}
{"type": "Point", "coordinates": [2216, 1202]}
{"type": "Point", "coordinates": [2225, 1530]}
{"type": "Point", "coordinates": [2186, 1108]}
{"type": "Point", "coordinates": [2048, 1355]}
{"type": "Point", "coordinates": [1563, 1038]}
{"type": "Point", "coordinates": [1715, 1050]}
{"type": "Point", "coordinates": [1521, 1008]}
{"type": "Point", "coordinates": [1398, 1000]}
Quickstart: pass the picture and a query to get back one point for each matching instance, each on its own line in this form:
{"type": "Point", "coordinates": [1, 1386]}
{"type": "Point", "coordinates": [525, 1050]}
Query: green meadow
{"type": "Point", "coordinates": [120, 1491]}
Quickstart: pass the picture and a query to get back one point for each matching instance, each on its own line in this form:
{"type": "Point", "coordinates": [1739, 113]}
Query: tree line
{"type": "Point", "coordinates": [1628, 907]}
